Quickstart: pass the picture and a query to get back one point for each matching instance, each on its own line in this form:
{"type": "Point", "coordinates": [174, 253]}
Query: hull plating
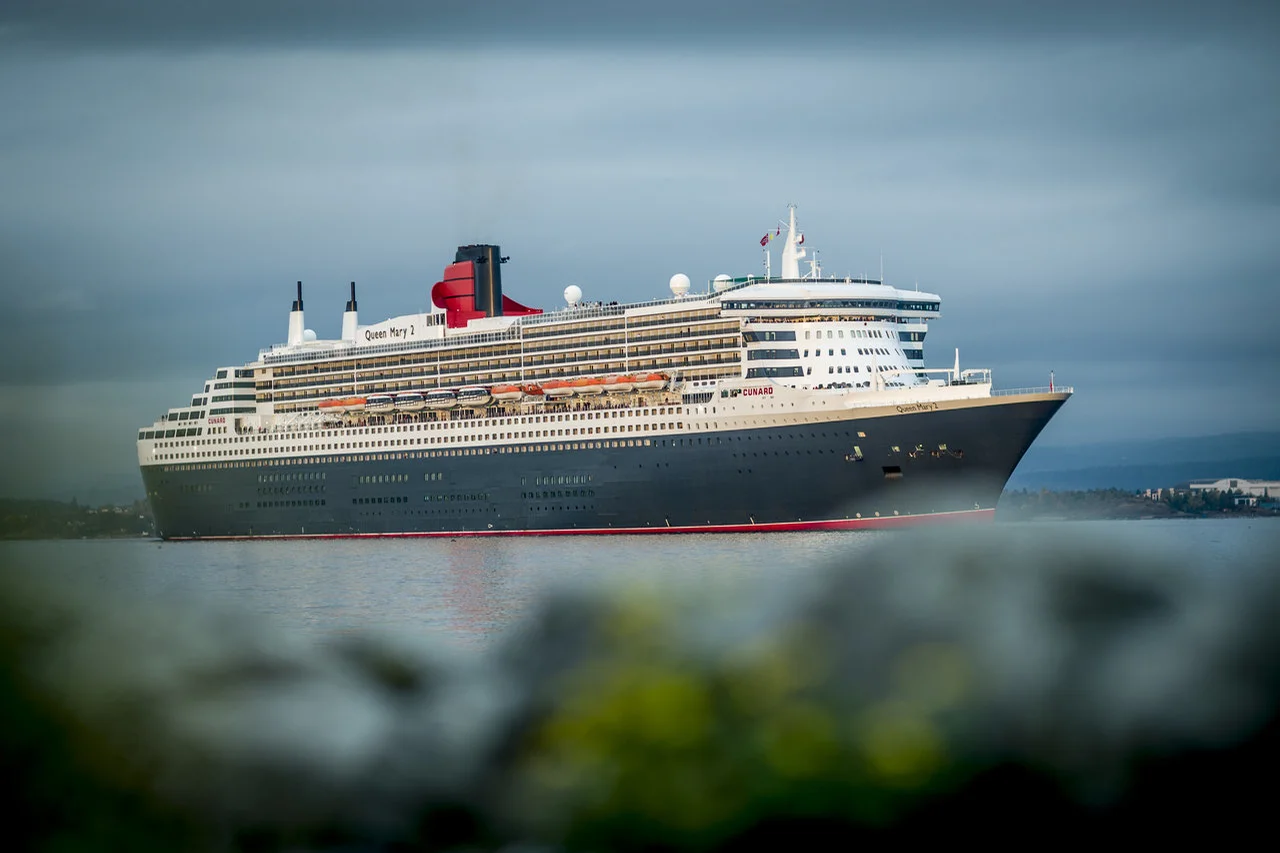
{"type": "Point", "coordinates": [904, 469]}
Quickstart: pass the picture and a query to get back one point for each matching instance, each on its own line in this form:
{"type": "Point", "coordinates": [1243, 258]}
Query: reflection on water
{"type": "Point", "coordinates": [469, 591]}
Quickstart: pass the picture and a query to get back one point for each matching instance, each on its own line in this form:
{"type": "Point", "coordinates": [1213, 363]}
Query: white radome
{"type": "Point", "coordinates": [721, 282]}
{"type": "Point", "coordinates": [679, 284]}
{"type": "Point", "coordinates": [308, 335]}
{"type": "Point", "coordinates": [572, 294]}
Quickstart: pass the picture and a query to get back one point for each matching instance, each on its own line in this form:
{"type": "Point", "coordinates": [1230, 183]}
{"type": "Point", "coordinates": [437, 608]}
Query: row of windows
{"type": "Point", "coordinates": [218, 386]}
{"type": "Point", "coordinates": [861, 351]}
{"type": "Point", "coordinates": [595, 342]}
{"type": "Point", "coordinates": [289, 490]}
{"type": "Point", "coordinates": [687, 361]}
{"type": "Point", "coordinates": [549, 447]}
{"type": "Point", "coordinates": [234, 410]}
{"type": "Point", "coordinates": [600, 348]}
{"type": "Point", "coordinates": [768, 335]}
{"type": "Point", "coordinates": [759, 354]}
{"type": "Point", "coordinates": [418, 426]}
{"type": "Point", "coordinates": [147, 434]}
{"type": "Point", "coordinates": [701, 367]}
{"type": "Point", "coordinates": [674, 443]}
{"type": "Point", "coordinates": [796, 304]}
{"type": "Point", "coordinates": [482, 496]}
{"type": "Point", "coordinates": [853, 333]}
{"type": "Point", "coordinates": [449, 439]}
{"type": "Point", "coordinates": [271, 504]}
{"type": "Point", "coordinates": [569, 493]}
{"type": "Point", "coordinates": [773, 372]}
{"type": "Point", "coordinates": [616, 321]}
{"type": "Point", "coordinates": [291, 476]}
{"type": "Point", "coordinates": [560, 480]}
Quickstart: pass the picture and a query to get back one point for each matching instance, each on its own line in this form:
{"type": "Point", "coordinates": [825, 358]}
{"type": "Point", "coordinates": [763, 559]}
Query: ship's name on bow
{"type": "Point", "coordinates": [757, 392]}
{"type": "Point", "coordinates": [389, 333]}
{"type": "Point", "coordinates": [918, 407]}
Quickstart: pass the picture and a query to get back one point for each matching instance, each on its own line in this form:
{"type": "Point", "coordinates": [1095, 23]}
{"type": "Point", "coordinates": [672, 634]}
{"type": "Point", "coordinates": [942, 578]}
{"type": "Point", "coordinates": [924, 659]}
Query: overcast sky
{"type": "Point", "coordinates": [1094, 192]}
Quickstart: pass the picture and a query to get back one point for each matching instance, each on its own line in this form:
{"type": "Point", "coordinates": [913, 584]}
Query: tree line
{"type": "Point", "coordinates": [47, 519]}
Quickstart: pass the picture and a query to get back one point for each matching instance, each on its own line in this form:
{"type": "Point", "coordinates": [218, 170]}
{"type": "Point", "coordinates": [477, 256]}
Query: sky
{"type": "Point", "coordinates": [1092, 188]}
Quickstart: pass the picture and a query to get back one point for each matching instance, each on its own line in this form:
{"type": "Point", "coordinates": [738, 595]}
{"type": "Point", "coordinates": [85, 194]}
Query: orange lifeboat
{"type": "Point", "coordinates": [333, 406]}
{"type": "Point", "coordinates": [651, 382]}
{"type": "Point", "coordinates": [532, 390]}
{"type": "Point", "coordinates": [354, 404]}
{"type": "Point", "coordinates": [558, 388]}
{"type": "Point", "coordinates": [588, 385]}
{"type": "Point", "coordinates": [620, 384]}
{"type": "Point", "coordinates": [506, 393]}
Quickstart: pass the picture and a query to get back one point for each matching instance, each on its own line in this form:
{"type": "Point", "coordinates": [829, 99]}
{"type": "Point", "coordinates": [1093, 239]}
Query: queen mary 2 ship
{"type": "Point", "coordinates": [764, 403]}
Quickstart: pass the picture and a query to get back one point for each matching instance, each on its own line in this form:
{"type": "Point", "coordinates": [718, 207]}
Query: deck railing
{"type": "Point", "coordinates": [1043, 389]}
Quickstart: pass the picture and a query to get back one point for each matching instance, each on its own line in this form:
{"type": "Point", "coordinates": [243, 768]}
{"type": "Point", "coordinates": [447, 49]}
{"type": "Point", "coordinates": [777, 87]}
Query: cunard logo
{"type": "Point", "coordinates": [757, 392]}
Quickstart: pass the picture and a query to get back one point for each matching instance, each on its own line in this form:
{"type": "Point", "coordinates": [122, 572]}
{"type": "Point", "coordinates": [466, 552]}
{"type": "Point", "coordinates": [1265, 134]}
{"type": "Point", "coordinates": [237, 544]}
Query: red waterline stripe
{"type": "Point", "coordinates": [881, 523]}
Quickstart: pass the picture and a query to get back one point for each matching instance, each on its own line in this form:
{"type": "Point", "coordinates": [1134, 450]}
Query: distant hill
{"type": "Point", "coordinates": [1147, 464]}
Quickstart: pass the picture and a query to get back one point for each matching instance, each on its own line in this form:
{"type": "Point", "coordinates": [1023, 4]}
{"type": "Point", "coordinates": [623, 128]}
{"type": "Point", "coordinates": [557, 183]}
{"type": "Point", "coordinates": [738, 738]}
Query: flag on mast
{"type": "Point", "coordinates": [764, 241]}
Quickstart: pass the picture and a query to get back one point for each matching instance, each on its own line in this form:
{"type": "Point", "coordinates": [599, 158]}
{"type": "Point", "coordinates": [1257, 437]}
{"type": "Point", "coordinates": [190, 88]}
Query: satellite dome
{"type": "Point", "coordinates": [679, 284]}
{"type": "Point", "coordinates": [308, 336]}
{"type": "Point", "coordinates": [721, 282]}
{"type": "Point", "coordinates": [572, 294]}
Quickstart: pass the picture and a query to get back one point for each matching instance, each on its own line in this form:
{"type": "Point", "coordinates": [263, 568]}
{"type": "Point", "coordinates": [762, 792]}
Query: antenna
{"type": "Point", "coordinates": [882, 267]}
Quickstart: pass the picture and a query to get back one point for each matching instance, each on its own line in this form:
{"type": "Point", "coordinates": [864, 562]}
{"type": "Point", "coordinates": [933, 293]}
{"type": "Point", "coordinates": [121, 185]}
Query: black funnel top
{"type": "Point", "coordinates": [297, 303]}
{"type": "Point", "coordinates": [487, 287]}
{"type": "Point", "coordinates": [351, 303]}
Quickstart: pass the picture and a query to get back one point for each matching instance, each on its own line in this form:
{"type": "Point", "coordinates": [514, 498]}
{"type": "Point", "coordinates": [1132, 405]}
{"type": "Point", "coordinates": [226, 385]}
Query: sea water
{"type": "Point", "coordinates": [470, 591]}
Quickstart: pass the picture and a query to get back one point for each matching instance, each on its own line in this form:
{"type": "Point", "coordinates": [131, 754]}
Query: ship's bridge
{"type": "Point", "coordinates": [856, 332]}
{"type": "Point", "coordinates": [862, 296]}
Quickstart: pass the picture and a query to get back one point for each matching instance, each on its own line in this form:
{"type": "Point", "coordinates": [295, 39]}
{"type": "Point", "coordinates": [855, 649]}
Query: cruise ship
{"type": "Point", "coordinates": [762, 403]}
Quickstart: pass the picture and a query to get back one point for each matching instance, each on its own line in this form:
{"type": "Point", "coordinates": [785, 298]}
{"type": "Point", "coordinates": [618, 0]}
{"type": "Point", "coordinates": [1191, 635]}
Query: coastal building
{"type": "Point", "coordinates": [1257, 489]}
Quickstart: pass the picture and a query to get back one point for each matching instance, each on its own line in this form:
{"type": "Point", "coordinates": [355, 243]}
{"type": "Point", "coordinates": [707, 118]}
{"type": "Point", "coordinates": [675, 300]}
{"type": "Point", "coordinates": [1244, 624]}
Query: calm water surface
{"type": "Point", "coordinates": [469, 591]}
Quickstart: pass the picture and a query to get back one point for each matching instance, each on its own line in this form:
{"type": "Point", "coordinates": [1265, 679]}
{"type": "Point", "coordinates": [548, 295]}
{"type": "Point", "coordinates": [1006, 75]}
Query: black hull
{"type": "Point", "coordinates": [780, 478]}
